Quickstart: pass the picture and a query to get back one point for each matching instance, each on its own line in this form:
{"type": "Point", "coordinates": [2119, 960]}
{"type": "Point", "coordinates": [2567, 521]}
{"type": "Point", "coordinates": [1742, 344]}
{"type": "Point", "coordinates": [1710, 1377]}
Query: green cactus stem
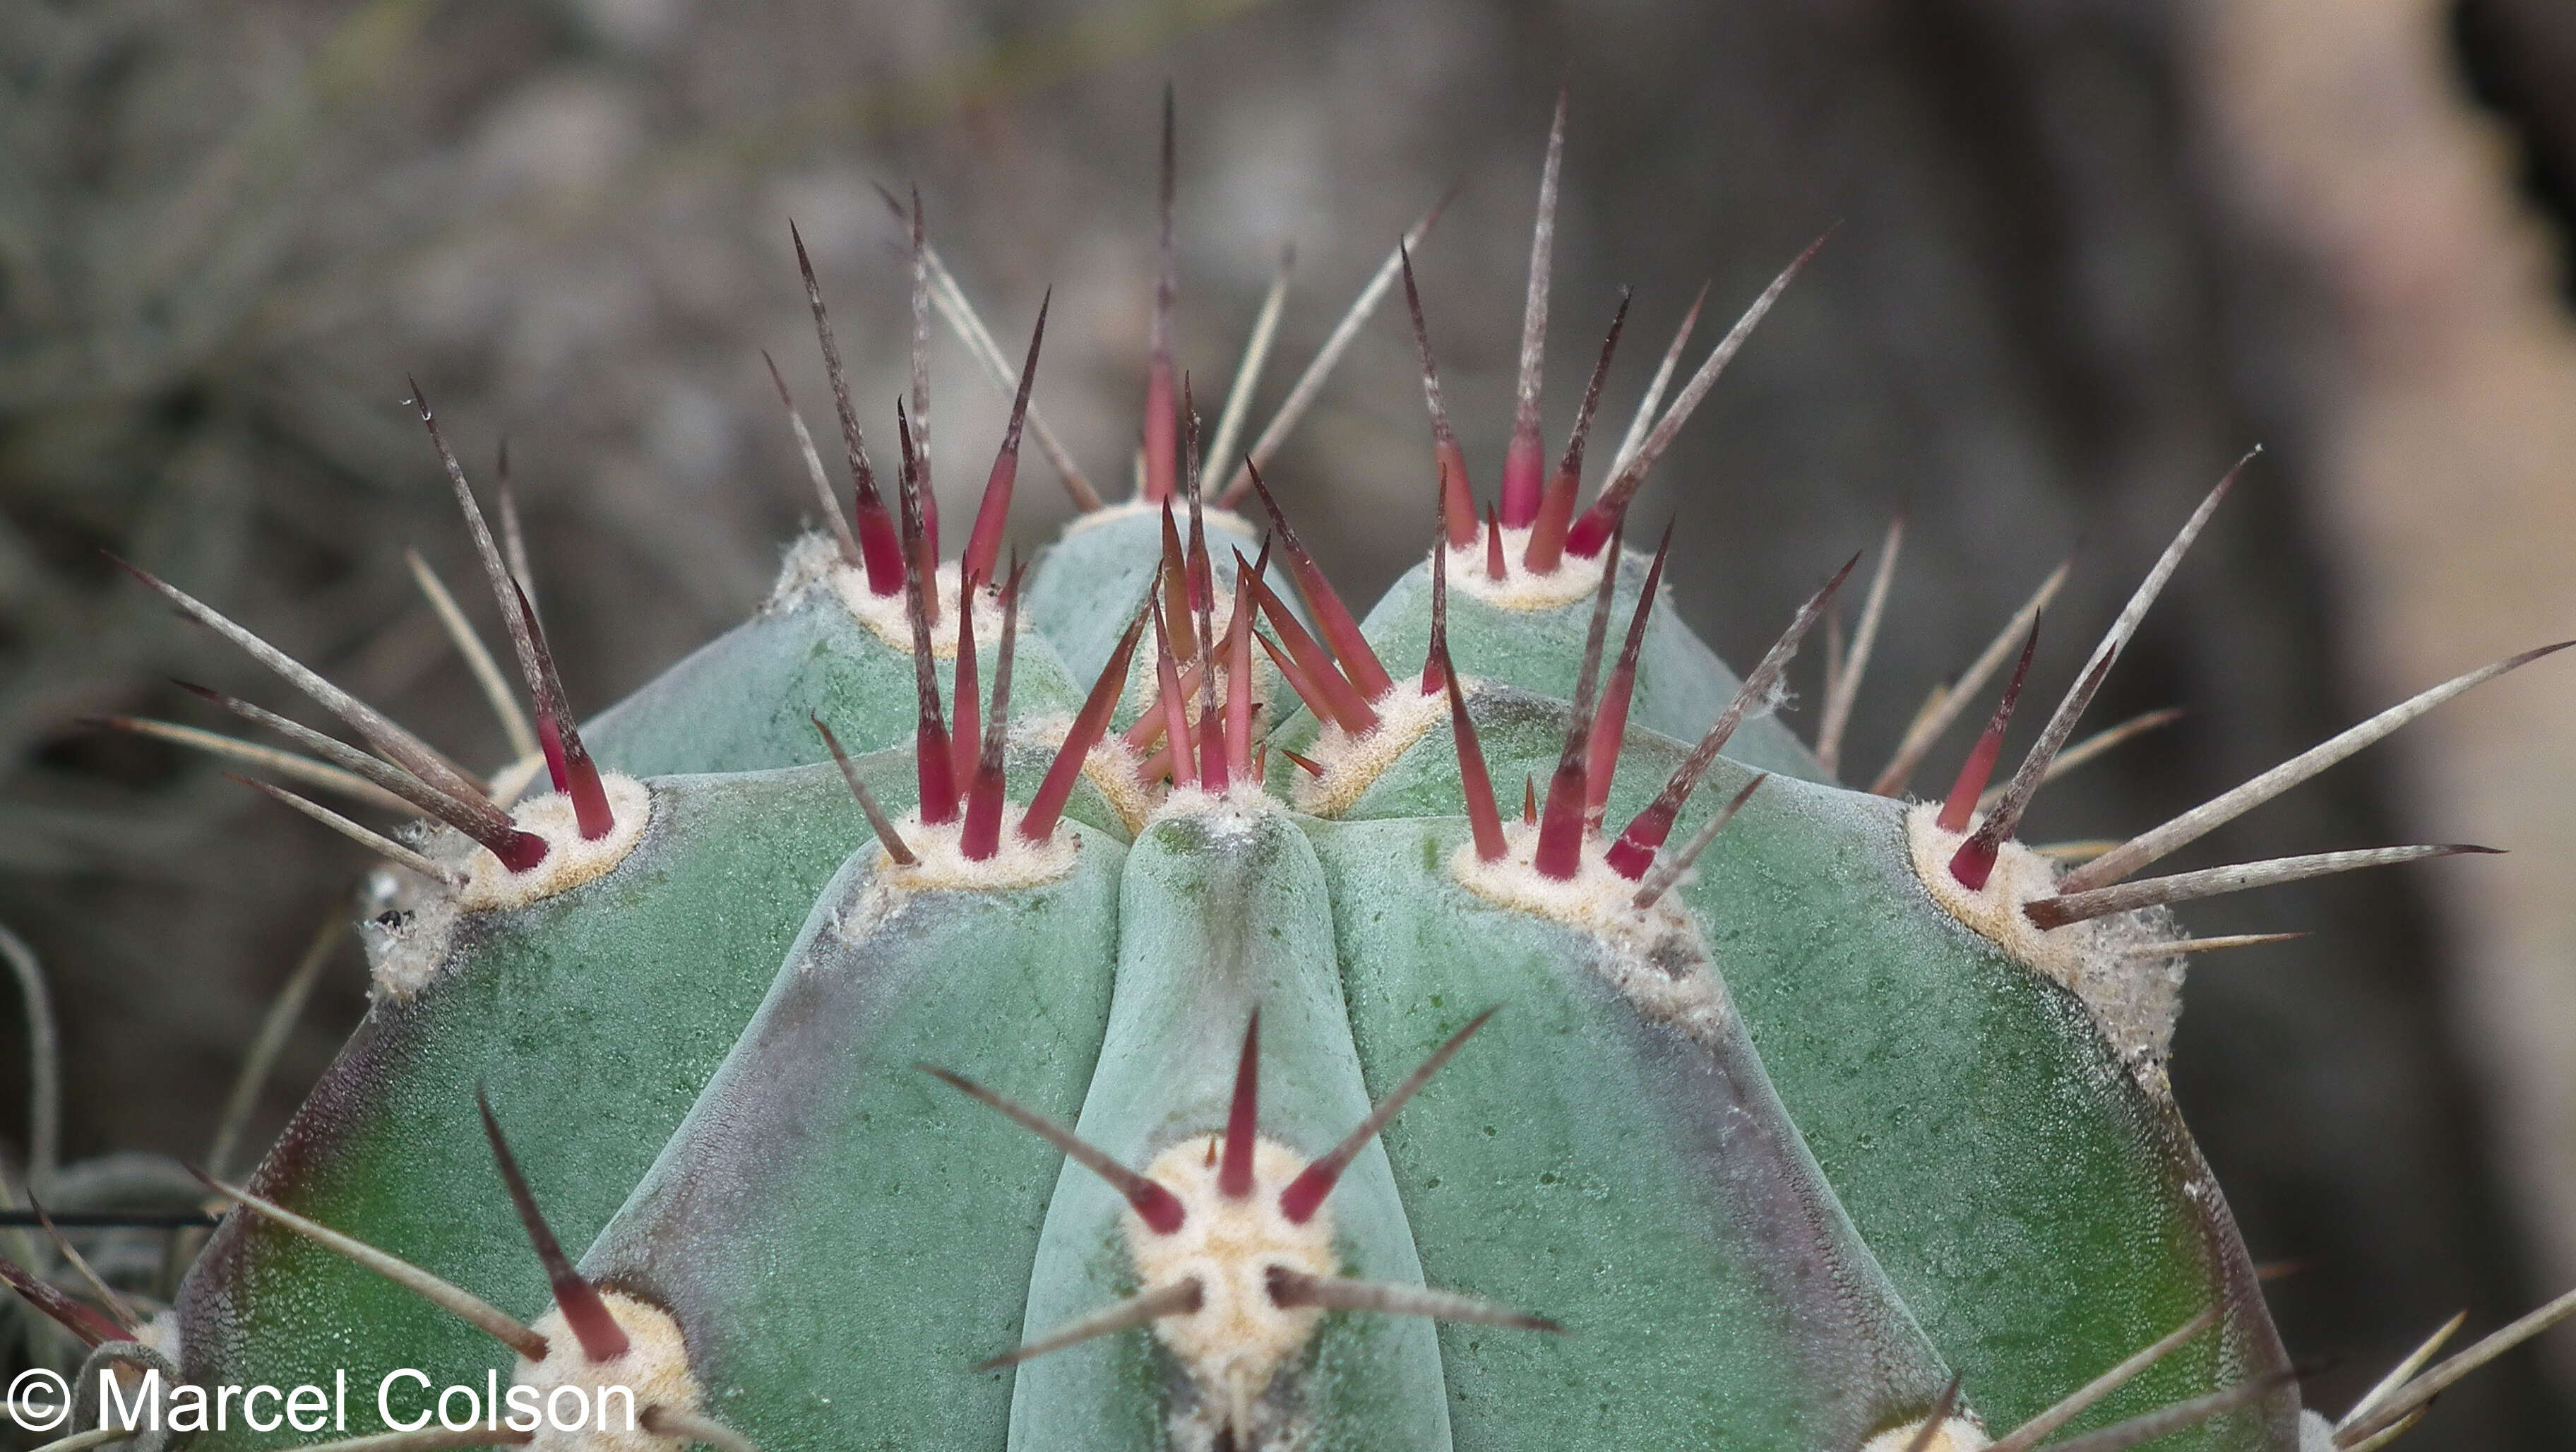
{"type": "Point", "coordinates": [1739, 1107]}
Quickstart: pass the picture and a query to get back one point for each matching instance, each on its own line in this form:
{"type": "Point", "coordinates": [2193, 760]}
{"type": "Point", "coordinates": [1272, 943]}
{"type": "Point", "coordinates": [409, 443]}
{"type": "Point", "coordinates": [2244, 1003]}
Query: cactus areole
{"type": "Point", "coordinates": [1206, 1047]}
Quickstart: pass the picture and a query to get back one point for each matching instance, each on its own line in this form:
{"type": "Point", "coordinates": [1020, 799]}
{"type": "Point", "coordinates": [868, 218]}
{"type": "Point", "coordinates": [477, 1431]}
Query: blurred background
{"type": "Point", "coordinates": [2088, 252]}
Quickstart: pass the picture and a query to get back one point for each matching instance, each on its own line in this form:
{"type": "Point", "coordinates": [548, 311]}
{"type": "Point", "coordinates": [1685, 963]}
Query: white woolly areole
{"type": "Point", "coordinates": [571, 859]}
{"type": "Point", "coordinates": [1134, 507]}
{"type": "Point", "coordinates": [408, 936]}
{"type": "Point", "coordinates": [1574, 578]}
{"type": "Point", "coordinates": [1238, 1339]}
{"type": "Point", "coordinates": [809, 564]}
{"type": "Point", "coordinates": [814, 562]}
{"type": "Point", "coordinates": [1653, 955]}
{"type": "Point", "coordinates": [1352, 764]}
{"type": "Point", "coordinates": [940, 860]}
{"type": "Point", "coordinates": [940, 863]}
{"type": "Point", "coordinates": [161, 1333]}
{"type": "Point", "coordinates": [655, 1369]}
{"type": "Point", "coordinates": [2108, 962]}
{"type": "Point", "coordinates": [1955, 1434]}
{"type": "Point", "coordinates": [1228, 810]}
{"type": "Point", "coordinates": [513, 781]}
{"type": "Point", "coordinates": [891, 618]}
{"type": "Point", "coordinates": [407, 945]}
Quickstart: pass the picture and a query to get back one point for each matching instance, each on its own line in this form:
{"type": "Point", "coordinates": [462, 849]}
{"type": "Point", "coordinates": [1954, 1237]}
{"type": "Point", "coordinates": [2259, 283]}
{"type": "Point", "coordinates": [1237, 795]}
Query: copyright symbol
{"type": "Point", "coordinates": [35, 1415]}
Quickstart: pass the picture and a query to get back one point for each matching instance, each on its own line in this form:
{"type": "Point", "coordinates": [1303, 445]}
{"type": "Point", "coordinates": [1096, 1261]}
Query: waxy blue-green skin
{"type": "Point", "coordinates": [1224, 912]}
{"type": "Point", "coordinates": [825, 1181]}
{"type": "Point", "coordinates": [1629, 1175]}
{"type": "Point", "coordinates": [1989, 1172]}
{"type": "Point", "coordinates": [592, 1018]}
{"type": "Point", "coordinates": [1968, 1111]}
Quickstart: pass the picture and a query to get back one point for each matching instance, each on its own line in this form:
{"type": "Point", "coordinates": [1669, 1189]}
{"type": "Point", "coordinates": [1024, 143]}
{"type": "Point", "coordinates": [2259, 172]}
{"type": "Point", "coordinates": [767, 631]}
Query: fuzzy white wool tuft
{"type": "Point", "coordinates": [1238, 1340]}
{"type": "Point", "coordinates": [2135, 995]}
{"type": "Point", "coordinates": [1520, 588]}
{"type": "Point", "coordinates": [655, 1369]}
{"type": "Point", "coordinates": [571, 860]}
{"type": "Point", "coordinates": [1655, 956]}
{"type": "Point", "coordinates": [1956, 1434]}
{"type": "Point", "coordinates": [1352, 764]}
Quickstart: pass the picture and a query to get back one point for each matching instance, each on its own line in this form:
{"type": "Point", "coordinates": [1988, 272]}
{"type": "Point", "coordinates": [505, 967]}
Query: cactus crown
{"type": "Point", "coordinates": [1165, 838]}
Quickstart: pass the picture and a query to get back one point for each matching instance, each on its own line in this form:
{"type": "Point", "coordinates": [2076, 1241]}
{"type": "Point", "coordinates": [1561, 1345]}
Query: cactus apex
{"type": "Point", "coordinates": [1792, 1264]}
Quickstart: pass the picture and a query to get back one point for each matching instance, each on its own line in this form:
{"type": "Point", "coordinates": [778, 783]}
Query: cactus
{"type": "Point", "coordinates": [1739, 1107]}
